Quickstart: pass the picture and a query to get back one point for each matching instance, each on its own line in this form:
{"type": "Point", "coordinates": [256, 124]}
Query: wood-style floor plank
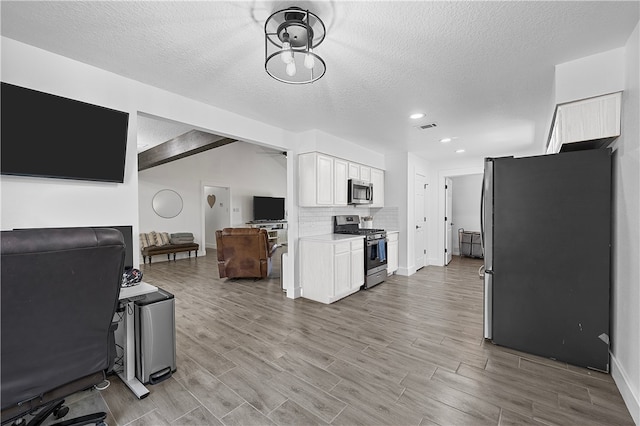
{"type": "Point", "coordinates": [407, 352]}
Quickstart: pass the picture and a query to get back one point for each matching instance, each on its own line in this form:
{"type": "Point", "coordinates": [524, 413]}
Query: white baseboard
{"type": "Point", "coordinates": [406, 272]}
{"type": "Point", "coordinates": [624, 386]}
{"type": "Point", "coordinates": [297, 292]}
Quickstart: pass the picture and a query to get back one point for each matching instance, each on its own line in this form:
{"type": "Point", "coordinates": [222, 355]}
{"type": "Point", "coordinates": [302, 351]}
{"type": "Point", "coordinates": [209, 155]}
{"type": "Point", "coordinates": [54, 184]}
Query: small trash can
{"type": "Point", "coordinates": [155, 337]}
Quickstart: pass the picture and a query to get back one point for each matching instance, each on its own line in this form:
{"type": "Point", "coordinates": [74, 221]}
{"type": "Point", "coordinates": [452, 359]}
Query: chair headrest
{"type": "Point", "coordinates": [242, 231]}
{"type": "Point", "coordinates": [35, 240]}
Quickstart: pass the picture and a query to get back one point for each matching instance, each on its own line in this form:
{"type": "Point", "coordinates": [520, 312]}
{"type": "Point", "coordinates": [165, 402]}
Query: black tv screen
{"type": "Point", "coordinates": [268, 208]}
{"type": "Point", "coordinates": [45, 135]}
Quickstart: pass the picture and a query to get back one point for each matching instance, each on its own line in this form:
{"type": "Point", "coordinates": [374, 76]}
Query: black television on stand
{"type": "Point", "coordinates": [268, 209]}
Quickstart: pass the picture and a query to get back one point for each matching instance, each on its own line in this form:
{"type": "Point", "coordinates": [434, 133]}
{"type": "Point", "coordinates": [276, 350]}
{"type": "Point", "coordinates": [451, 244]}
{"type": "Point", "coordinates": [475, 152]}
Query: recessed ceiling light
{"type": "Point", "coordinates": [417, 115]}
{"type": "Point", "coordinates": [459, 151]}
{"type": "Point", "coordinates": [445, 140]}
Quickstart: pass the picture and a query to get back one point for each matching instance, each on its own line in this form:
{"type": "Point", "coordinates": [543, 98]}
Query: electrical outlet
{"type": "Point", "coordinates": [236, 209]}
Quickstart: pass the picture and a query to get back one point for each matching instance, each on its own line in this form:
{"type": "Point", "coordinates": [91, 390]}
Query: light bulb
{"type": "Point", "coordinates": [309, 61]}
{"type": "Point", "coordinates": [287, 54]}
{"type": "Point", "coordinates": [291, 69]}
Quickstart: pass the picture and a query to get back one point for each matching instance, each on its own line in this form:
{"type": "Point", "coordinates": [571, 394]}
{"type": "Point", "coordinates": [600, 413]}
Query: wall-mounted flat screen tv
{"type": "Point", "coordinates": [268, 209]}
{"type": "Point", "coordinates": [44, 135]}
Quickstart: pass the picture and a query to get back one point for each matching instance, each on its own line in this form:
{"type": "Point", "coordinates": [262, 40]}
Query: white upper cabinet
{"type": "Point", "coordinates": [316, 182]}
{"type": "Point", "coordinates": [588, 123]}
{"type": "Point", "coordinates": [554, 140]}
{"type": "Point", "coordinates": [365, 173]}
{"type": "Point", "coordinates": [360, 172]}
{"type": "Point", "coordinates": [377, 179]}
{"type": "Point", "coordinates": [340, 182]}
{"type": "Point", "coordinates": [354, 171]}
{"type": "Point", "coordinates": [323, 180]}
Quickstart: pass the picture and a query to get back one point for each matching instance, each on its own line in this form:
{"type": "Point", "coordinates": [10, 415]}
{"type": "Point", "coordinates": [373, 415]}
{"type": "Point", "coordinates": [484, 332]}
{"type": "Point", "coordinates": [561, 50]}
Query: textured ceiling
{"type": "Point", "coordinates": [483, 71]}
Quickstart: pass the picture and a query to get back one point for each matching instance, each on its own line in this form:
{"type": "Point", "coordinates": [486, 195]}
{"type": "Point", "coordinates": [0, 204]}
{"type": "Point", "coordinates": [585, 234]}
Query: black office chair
{"type": "Point", "coordinates": [60, 290]}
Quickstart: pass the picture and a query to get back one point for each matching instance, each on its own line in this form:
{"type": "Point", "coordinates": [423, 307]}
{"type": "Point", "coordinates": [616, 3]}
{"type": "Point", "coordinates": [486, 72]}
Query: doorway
{"type": "Point", "coordinates": [217, 212]}
{"type": "Point", "coordinates": [464, 204]}
{"type": "Point", "coordinates": [448, 220]}
{"type": "Point", "coordinates": [420, 222]}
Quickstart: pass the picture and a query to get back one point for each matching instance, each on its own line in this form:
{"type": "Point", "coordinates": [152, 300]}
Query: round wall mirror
{"type": "Point", "coordinates": [167, 203]}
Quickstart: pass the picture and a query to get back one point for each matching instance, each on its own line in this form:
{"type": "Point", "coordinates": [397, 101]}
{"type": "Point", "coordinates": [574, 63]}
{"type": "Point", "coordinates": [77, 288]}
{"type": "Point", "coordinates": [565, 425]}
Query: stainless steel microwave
{"type": "Point", "coordinates": [360, 192]}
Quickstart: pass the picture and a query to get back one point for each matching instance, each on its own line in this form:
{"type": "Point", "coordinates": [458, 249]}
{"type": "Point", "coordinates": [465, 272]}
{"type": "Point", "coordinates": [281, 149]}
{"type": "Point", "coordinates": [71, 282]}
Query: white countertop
{"type": "Point", "coordinates": [137, 290]}
{"type": "Point", "coordinates": [393, 232]}
{"type": "Point", "coordinates": [333, 238]}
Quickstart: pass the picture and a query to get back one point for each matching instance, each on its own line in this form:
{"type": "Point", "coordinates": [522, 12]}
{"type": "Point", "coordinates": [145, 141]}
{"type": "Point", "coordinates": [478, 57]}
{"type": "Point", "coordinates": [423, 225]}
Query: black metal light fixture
{"type": "Point", "coordinates": [290, 38]}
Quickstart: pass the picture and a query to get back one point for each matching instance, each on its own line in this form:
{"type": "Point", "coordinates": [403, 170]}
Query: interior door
{"type": "Point", "coordinates": [448, 225]}
{"type": "Point", "coordinates": [420, 222]}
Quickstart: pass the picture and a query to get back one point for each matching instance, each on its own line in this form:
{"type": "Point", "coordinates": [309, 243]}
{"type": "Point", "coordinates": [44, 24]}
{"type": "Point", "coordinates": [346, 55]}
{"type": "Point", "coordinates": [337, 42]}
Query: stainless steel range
{"type": "Point", "coordinates": [375, 256]}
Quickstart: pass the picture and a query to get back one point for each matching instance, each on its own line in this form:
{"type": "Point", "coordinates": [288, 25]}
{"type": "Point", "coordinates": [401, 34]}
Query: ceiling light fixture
{"type": "Point", "coordinates": [459, 151]}
{"type": "Point", "coordinates": [445, 140]}
{"type": "Point", "coordinates": [292, 34]}
{"type": "Point", "coordinates": [417, 115]}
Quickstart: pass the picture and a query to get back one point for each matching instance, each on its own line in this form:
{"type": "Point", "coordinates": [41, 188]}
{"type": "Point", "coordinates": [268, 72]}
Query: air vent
{"type": "Point", "coordinates": [428, 126]}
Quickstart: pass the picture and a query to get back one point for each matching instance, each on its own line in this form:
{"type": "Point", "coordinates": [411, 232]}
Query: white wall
{"type": "Point", "coordinates": [396, 195]}
{"type": "Point", "coordinates": [216, 216]}
{"type": "Point", "coordinates": [238, 165]}
{"type": "Point", "coordinates": [399, 196]}
{"type": "Point", "coordinates": [316, 140]}
{"type": "Point", "coordinates": [35, 202]}
{"type": "Point", "coordinates": [590, 76]}
{"type": "Point", "coordinates": [626, 238]}
{"type": "Point", "coordinates": [466, 205]}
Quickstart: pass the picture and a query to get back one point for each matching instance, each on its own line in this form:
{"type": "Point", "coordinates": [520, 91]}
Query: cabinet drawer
{"type": "Point", "coordinates": [341, 247]}
{"type": "Point", "coordinates": [357, 245]}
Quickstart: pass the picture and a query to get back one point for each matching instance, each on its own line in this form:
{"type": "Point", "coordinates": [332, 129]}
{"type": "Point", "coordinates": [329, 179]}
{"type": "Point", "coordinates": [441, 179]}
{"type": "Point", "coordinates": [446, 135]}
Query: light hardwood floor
{"type": "Point", "coordinates": [407, 352]}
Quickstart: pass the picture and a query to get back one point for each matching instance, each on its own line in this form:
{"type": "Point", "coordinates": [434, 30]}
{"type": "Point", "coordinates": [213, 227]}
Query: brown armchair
{"type": "Point", "coordinates": [244, 253]}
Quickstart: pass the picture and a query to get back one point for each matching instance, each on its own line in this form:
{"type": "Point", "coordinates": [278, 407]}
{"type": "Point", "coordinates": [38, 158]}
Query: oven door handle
{"type": "Point", "coordinates": [376, 241]}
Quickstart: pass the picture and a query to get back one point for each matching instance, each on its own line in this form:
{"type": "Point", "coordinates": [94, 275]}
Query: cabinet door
{"type": "Point", "coordinates": [392, 257]}
{"type": "Point", "coordinates": [324, 180]}
{"type": "Point", "coordinates": [377, 179]}
{"type": "Point", "coordinates": [365, 173]}
{"type": "Point", "coordinates": [595, 118]}
{"type": "Point", "coordinates": [354, 171]}
{"type": "Point", "coordinates": [357, 268]}
{"type": "Point", "coordinates": [340, 182]}
{"type": "Point", "coordinates": [342, 269]}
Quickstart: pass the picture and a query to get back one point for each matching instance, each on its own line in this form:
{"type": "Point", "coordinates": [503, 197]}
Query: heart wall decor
{"type": "Point", "coordinates": [211, 200]}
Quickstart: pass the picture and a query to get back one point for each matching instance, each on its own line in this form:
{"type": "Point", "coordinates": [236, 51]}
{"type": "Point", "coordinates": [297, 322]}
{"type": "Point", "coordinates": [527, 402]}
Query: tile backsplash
{"type": "Point", "coordinates": [386, 218]}
{"type": "Point", "coordinates": [319, 220]}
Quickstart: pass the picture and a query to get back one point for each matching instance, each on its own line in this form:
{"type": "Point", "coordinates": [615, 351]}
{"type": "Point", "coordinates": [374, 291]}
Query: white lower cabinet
{"type": "Point", "coordinates": [357, 263]}
{"type": "Point", "coordinates": [331, 266]}
{"type": "Point", "coordinates": [392, 252]}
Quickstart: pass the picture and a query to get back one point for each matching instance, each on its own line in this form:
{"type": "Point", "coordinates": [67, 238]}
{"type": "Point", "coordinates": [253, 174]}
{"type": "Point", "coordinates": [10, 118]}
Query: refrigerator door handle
{"type": "Point", "coordinates": [482, 215]}
{"type": "Point", "coordinates": [488, 304]}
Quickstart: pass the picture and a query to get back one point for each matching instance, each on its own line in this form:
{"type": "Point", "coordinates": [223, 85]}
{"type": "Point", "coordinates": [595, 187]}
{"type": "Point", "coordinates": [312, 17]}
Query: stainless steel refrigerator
{"type": "Point", "coordinates": [546, 228]}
